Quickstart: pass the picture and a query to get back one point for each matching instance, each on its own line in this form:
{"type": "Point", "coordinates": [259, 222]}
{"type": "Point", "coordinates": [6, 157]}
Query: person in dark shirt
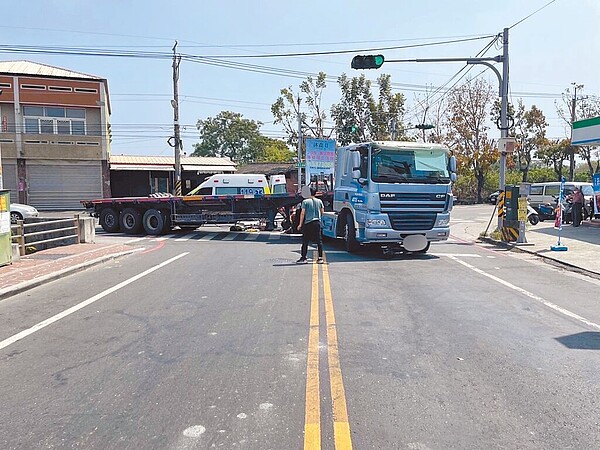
{"type": "Point", "coordinates": [310, 225]}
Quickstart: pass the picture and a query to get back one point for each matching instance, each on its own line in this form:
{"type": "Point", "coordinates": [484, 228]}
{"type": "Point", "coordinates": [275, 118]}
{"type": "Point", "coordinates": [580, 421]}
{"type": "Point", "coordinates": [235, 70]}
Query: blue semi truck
{"type": "Point", "coordinates": [397, 195]}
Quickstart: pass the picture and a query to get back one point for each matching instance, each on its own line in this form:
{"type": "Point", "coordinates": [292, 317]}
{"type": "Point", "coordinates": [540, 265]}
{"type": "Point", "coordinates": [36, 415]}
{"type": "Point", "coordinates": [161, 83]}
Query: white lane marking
{"type": "Point", "coordinates": [185, 237]}
{"type": "Point", "coordinates": [17, 337]}
{"type": "Point", "coordinates": [274, 236]}
{"type": "Point", "coordinates": [242, 415]}
{"type": "Point", "coordinates": [537, 298]}
{"type": "Point", "coordinates": [230, 237]}
{"type": "Point", "coordinates": [464, 255]}
{"type": "Point", "coordinates": [207, 237]}
{"type": "Point", "coordinates": [252, 236]}
{"type": "Point", "coordinates": [131, 241]}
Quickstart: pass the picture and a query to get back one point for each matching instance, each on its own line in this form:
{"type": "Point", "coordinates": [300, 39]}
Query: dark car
{"type": "Point", "coordinates": [493, 197]}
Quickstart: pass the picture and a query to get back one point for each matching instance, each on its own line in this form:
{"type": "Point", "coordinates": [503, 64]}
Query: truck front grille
{"type": "Point", "coordinates": [412, 221]}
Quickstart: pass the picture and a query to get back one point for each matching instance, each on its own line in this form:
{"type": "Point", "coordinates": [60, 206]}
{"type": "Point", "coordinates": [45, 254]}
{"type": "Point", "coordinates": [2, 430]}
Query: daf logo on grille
{"type": "Point", "coordinates": [388, 195]}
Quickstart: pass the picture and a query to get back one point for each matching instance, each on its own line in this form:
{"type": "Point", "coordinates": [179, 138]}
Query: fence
{"type": "Point", "coordinates": [42, 235]}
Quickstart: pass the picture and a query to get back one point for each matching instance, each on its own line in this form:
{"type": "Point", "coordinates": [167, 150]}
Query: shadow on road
{"type": "Point", "coordinates": [587, 340]}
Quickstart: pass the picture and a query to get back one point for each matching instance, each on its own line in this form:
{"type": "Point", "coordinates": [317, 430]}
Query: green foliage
{"type": "Point", "coordinates": [230, 135]}
{"type": "Point", "coordinates": [273, 150]}
{"type": "Point", "coordinates": [359, 117]}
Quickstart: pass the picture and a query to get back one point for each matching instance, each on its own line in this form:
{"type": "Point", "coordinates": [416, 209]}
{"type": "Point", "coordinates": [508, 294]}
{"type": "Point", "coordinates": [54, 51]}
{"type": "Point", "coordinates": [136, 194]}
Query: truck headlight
{"type": "Point", "coordinates": [443, 221]}
{"type": "Point", "coordinates": [376, 223]}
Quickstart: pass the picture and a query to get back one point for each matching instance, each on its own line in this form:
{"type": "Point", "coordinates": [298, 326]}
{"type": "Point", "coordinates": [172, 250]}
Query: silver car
{"type": "Point", "coordinates": [22, 212]}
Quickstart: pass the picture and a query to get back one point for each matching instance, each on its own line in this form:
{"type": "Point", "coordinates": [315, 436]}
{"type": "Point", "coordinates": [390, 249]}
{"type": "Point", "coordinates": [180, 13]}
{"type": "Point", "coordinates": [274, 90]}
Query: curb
{"type": "Point", "coordinates": [26, 285]}
{"type": "Point", "coordinates": [548, 259]}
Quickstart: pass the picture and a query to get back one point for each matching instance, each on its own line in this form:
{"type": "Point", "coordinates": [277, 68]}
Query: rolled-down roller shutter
{"type": "Point", "coordinates": [60, 186]}
{"type": "Point", "coordinates": [9, 179]}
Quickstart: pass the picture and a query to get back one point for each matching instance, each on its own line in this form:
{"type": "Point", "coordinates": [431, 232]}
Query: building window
{"type": "Point", "coordinates": [5, 85]}
{"type": "Point", "coordinates": [86, 90]}
{"type": "Point", "coordinates": [60, 88]}
{"type": "Point", "coordinates": [37, 87]}
{"type": "Point", "coordinates": [54, 120]}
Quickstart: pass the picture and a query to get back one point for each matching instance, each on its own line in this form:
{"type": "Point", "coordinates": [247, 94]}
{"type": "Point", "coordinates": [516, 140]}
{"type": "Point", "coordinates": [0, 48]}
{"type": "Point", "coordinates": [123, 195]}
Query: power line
{"type": "Point", "coordinates": [533, 13]}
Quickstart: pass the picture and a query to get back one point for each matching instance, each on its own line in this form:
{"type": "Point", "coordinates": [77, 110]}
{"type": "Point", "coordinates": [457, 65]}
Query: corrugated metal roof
{"type": "Point", "coordinates": [41, 70]}
{"type": "Point", "coordinates": [170, 160]}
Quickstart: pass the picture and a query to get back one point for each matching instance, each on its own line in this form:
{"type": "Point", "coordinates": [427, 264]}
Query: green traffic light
{"type": "Point", "coordinates": [367, 61]}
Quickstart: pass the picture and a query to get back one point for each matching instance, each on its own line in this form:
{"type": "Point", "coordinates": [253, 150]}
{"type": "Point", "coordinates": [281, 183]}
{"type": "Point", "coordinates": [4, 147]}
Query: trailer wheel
{"type": "Point", "coordinates": [351, 244]}
{"type": "Point", "coordinates": [109, 220]}
{"type": "Point", "coordinates": [154, 222]}
{"type": "Point", "coordinates": [131, 221]}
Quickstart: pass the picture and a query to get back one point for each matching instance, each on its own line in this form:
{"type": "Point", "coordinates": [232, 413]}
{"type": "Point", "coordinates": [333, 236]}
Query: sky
{"type": "Point", "coordinates": [548, 51]}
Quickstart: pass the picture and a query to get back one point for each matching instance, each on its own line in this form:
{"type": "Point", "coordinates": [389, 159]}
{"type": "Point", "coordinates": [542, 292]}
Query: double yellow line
{"type": "Point", "coordinates": [312, 421]}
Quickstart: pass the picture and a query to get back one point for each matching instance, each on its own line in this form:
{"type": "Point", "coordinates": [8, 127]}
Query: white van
{"type": "Point", "coordinates": [547, 193]}
{"type": "Point", "coordinates": [244, 184]}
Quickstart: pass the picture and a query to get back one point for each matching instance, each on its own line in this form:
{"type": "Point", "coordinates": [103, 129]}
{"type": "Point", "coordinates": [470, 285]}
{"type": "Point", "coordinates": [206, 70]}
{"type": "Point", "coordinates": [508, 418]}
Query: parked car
{"type": "Point", "coordinates": [22, 212]}
{"type": "Point", "coordinates": [493, 197]}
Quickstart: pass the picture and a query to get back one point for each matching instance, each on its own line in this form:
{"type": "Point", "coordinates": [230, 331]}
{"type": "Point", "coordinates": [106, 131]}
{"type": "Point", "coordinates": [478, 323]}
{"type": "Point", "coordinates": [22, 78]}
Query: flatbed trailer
{"type": "Point", "coordinates": [157, 215]}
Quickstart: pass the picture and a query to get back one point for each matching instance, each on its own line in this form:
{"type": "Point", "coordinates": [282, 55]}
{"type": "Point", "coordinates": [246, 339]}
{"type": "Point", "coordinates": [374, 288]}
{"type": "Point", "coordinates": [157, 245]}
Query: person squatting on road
{"type": "Point", "coordinates": [310, 223]}
{"type": "Point", "coordinates": [577, 206]}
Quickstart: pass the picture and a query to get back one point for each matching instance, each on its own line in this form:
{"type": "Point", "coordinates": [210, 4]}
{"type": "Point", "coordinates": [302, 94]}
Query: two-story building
{"type": "Point", "coordinates": [54, 135]}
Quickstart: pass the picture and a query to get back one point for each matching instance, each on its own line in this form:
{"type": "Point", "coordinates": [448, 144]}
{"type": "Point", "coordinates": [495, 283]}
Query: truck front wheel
{"type": "Point", "coordinates": [109, 220]}
{"type": "Point", "coordinates": [131, 221]}
{"type": "Point", "coordinates": [351, 244]}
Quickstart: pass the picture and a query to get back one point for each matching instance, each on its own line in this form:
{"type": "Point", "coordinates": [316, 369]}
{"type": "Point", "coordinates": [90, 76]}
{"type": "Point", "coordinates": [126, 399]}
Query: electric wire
{"type": "Point", "coordinates": [533, 13]}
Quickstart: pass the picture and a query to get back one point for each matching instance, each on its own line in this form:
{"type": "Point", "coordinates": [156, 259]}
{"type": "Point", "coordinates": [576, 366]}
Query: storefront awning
{"type": "Point", "coordinates": [207, 169]}
{"type": "Point", "coordinates": [145, 167]}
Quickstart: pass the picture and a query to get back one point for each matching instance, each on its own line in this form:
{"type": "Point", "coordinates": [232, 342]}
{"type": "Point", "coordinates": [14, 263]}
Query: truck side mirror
{"type": "Point", "coordinates": [355, 174]}
{"type": "Point", "coordinates": [453, 177]}
{"type": "Point", "coordinates": [452, 164]}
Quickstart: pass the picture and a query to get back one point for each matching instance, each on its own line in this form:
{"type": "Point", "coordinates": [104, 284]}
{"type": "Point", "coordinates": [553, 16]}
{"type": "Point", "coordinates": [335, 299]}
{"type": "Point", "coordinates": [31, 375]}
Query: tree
{"type": "Point", "coordinates": [273, 150]}
{"type": "Point", "coordinates": [468, 107]}
{"type": "Point", "coordinates": [358, 117]}
{"type": "Point", "coordinates": [287, 107]}
{"type": "Point", "coordinates": [585, 107]}
{"type": "Point", "coordinates": [530, 134]}
{"type": "Point", "coordinates": [230, 135]}
{"type": "Point", "coordinates": [554, 154]}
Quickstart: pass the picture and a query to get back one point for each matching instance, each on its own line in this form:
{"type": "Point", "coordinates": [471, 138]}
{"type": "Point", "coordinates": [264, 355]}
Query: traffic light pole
{"type": "Point", "coordinates": [503, 93]}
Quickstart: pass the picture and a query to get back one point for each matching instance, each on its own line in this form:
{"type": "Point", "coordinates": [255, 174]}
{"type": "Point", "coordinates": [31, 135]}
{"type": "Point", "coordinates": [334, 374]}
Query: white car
{"type": "Point", "coordinates": [21, 212]}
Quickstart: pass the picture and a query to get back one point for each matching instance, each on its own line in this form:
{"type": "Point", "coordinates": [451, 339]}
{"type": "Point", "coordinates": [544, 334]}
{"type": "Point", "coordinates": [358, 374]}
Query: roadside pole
{"type": "Point", "coordinates": [299, 147]}
{"type": "Point", "coordinates": [503, 116]}
{"type": "Point", "coordinates": [176, 127]}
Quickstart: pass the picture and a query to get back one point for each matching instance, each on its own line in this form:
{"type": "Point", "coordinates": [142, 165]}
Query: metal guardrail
{"type": "Point", "coordinates": [49, 234]}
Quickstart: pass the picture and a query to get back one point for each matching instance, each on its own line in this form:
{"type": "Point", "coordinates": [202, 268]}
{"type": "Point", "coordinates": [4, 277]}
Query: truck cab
{"type": "Point", "coordinates": [397, 195]}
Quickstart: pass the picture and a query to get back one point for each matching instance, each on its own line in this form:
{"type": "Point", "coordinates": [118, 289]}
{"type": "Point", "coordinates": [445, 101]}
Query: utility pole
{"type": "Point", "coordinates": [423, 122]}
{"type": "Point", "coordinates": [573, 118]}
{"type": "Point", "coordinates": [176, 128]}
{"type": "Point", "coordinates": [503, 116]}
{"type": "Point", "coordinates": [300, 148]}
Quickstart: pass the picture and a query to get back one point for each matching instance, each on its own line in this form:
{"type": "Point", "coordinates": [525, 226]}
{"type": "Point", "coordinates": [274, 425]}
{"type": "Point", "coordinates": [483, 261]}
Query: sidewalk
{"type": "Point", "coordinates": [47, 265]}
{"type": "Point", "coordinates": [583, 245]}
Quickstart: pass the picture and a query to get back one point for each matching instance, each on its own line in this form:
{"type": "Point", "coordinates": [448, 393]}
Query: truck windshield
{"type": "Point", "coordinates": [409, 166]}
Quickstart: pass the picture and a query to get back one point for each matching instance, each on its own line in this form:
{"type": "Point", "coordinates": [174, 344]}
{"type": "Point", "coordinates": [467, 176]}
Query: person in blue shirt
{"type": "Point", "coordinates": [310, 225]}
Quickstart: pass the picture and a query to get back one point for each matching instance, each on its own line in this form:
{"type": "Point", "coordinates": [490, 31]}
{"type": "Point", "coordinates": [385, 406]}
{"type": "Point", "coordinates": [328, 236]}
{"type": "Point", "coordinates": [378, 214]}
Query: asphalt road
{"type": "Point", "coordinates": [216, 340]}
